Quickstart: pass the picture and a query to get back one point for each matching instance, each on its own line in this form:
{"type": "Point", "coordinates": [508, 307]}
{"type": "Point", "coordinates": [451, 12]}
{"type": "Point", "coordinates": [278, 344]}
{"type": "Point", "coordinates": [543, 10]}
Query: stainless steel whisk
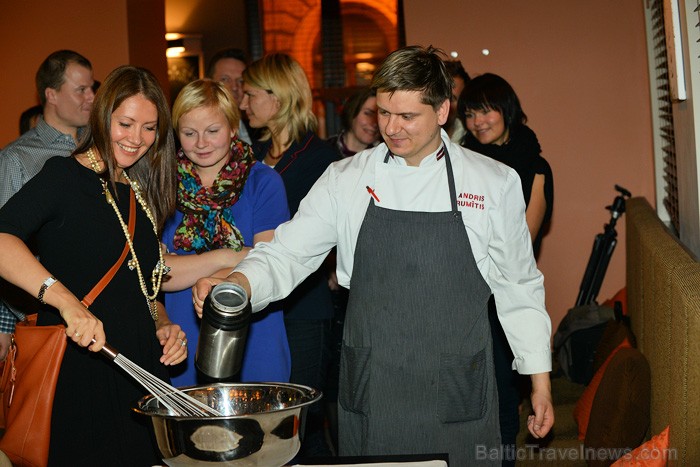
{"type": "Point", "coordinates": [176, 401]}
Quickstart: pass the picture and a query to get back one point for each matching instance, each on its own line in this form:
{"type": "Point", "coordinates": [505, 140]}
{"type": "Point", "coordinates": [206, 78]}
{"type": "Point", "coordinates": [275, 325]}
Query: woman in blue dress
{"type": "Point", "coordinates": [226, 203]}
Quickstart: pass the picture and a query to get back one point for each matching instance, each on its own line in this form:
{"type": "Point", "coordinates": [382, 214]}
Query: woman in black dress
{"type": "Point", "coordinates": [75, 213]}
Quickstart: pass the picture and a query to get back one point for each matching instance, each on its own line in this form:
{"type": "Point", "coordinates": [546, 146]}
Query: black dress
{"type": "Point", "coordinates": [63, 213]}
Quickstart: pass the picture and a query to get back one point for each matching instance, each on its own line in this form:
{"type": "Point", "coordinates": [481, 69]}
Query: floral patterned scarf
{"type": "Point", "coordinates": [207, 223]}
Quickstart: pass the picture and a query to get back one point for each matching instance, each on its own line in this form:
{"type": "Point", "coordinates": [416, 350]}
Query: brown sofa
{"type": "Point", "coordinates": [663, 290]}
{"type": "Point", "coordinates": [663, 304]}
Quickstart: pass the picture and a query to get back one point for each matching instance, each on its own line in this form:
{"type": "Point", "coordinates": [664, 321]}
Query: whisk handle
{"type": "Point", "coordinates": [108, 351]}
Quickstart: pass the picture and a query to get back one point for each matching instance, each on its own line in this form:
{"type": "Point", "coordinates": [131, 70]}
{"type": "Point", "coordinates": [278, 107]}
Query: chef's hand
{"type": "Point", "coordinates": [203, 286]}
{"type": "Point", "coordinates": [542, 421]}
{"type": "Point", "coordinates": [172, 338]}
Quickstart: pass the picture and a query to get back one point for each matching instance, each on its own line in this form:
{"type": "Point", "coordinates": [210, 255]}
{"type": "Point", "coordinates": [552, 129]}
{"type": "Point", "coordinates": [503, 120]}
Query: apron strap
{"type": "Point", "coordinates": [451, 181]}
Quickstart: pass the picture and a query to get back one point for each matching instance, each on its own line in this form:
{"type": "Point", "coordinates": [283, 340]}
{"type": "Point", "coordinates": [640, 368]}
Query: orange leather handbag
{"type": "Point", "coordinates": [29, 378]}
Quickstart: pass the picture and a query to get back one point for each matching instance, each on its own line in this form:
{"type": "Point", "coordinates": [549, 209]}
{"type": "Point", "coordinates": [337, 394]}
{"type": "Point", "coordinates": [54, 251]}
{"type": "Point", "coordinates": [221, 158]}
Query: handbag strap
{"type": "Point", "coordinates": [99, 287]}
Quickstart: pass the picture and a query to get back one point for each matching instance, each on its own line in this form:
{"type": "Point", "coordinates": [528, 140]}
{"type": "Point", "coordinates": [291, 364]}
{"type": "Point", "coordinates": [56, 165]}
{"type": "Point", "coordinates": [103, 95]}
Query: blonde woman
{"type": "Point", "coordinates": [277, 98]}
{"type": "Point", "coordinates": [227, 202]}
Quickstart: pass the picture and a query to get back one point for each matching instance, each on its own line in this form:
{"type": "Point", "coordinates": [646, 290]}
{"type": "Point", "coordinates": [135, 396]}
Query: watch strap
{"type": "Point", "coordinates": [44, 286]}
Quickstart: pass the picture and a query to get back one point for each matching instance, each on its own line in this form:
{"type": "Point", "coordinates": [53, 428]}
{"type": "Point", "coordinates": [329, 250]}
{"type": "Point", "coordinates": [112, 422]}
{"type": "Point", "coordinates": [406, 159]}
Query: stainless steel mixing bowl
{"type": "Point", "coordinates": [261, 425]}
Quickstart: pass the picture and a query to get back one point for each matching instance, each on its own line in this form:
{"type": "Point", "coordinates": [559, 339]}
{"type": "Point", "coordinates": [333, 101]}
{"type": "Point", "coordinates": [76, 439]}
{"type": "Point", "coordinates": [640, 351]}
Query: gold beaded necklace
{"type": "Point", "coordinates": [160, 268]}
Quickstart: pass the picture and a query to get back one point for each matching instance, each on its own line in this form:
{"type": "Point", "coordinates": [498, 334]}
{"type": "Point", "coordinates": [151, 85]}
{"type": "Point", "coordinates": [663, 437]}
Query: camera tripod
{"type": "Point", "coordinates": [603, 248]}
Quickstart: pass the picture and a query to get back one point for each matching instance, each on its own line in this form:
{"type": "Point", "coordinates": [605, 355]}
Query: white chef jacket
{"type": "Point", "coordinates": [490, 198]}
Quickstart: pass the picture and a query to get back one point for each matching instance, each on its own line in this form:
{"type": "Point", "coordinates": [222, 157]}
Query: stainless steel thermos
{"type": "Point", "coordinates": [222, 335]}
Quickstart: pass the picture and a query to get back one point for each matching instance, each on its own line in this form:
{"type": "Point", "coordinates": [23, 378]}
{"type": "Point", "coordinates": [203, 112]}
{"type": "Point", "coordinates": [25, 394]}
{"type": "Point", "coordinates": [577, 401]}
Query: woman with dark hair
{"type": "Point", "coordinates": [359, 120]}
{"type": "Point", "coordinates": [277, 99]}
{"type": "Point", "coordinates": [495, 124]}
{"type": "Point", "coordinates": [496, 127]}
{"type": "Point", "coordinates": [76, 212]}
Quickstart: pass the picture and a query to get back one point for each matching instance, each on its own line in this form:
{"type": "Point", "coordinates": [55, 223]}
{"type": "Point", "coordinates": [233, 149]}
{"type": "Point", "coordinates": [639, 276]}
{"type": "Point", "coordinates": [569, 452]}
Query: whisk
{"type": "Point", "coordinates": [176, 401]}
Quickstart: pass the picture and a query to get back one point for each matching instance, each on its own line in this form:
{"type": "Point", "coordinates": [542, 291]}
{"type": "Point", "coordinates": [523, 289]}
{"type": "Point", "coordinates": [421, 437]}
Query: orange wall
{"type": "Point", "coordinates": [580, 70]}
{"type": "Point", "coordinates": [221, 23]}
{"type": "Point", "coordinates": [30, 31]}
{"type": "Point", "coordinates": [146, 36]}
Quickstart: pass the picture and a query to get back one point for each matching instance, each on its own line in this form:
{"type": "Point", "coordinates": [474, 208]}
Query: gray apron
{"type": "Point", "coordinates": [416, 372]}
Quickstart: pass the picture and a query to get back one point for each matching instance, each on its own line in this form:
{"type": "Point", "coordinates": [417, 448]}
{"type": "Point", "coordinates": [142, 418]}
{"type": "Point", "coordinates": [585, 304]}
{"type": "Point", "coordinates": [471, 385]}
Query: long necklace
{"type": "Point", "coordinates": [160, 268]}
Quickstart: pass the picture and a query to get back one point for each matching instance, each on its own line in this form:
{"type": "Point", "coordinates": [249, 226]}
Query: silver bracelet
{"type": "Point", "coordinates": [44, 286]}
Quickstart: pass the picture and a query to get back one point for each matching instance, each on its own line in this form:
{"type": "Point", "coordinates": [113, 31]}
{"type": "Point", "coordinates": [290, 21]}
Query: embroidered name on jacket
{"type": "Point", "coordinates": [470, 200]}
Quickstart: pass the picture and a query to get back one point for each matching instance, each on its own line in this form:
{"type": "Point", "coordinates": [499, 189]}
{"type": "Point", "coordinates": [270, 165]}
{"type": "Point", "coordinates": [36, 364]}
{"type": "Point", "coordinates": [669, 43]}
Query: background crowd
{"type": "Point", "coordinates": [214, 176]}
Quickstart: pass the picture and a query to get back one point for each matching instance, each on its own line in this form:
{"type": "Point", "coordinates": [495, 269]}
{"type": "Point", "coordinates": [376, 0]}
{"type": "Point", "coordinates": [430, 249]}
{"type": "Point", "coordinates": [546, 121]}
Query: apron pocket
{"type": "Point", "coordinates": [462, 387]}
{"type": "Point", "coordinates": [354, 379]}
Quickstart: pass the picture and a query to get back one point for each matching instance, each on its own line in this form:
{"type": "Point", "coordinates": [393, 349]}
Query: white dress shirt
{"type": "Point", "coordinates": [490, 199]}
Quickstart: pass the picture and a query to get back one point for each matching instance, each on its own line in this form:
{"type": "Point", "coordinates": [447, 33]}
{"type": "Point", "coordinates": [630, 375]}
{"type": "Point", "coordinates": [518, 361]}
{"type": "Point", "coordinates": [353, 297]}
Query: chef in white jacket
{"type": "Point", "coordinates": [425, 231]}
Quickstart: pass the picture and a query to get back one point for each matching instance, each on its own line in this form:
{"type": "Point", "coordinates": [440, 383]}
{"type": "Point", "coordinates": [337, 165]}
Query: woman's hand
{"type": "Point", "coordinates": [82, 327]}
{"type": "Point", "coordinates": [172, 338]}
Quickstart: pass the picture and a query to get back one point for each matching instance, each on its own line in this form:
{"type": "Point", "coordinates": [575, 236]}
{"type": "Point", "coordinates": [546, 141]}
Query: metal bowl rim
{"type": "Point", "coordinates": [314, 394]}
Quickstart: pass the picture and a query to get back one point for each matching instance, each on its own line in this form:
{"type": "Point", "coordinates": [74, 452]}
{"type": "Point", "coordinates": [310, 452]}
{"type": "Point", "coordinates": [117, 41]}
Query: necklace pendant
{"type": "Point", "coordinates": [160, 268]}
{"type": "Point", "coordinates": [131, 264]}
{"type": "Point", "coordinates": [153, 308]}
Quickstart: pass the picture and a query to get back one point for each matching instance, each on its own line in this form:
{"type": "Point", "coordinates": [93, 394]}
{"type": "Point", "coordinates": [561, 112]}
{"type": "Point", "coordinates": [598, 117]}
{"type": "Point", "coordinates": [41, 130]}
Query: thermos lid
{"type": "Point", "coordinates": [227, 307]}
{"type": "Point", "coordinates": [229, 298]}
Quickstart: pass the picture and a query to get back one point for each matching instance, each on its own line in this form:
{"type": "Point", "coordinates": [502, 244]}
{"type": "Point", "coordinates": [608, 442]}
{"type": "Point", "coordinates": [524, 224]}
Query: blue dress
{"type": "Point", "coordinates": [262, 206]}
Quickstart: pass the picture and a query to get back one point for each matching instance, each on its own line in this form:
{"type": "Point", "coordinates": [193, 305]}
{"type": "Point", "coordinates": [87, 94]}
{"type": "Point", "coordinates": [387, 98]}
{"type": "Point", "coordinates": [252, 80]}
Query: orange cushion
{"type": "Point", "coordinates": [582, 411]}
{"type": "Point", "coordinates": [653, 453]}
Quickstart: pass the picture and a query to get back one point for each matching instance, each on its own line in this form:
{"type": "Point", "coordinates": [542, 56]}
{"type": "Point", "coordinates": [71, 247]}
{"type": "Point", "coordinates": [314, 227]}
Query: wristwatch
{"type": "Point", "coordinates": [46, 284]}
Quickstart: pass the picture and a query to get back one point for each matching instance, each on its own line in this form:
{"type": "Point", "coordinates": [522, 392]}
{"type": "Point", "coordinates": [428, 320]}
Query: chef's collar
{"type": "Point", "coordinates": [428, 160]}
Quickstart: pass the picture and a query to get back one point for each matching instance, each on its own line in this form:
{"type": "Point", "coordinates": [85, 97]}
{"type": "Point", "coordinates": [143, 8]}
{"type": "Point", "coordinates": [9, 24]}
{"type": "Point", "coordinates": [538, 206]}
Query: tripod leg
{"type": "Point", "coordinates": [584, 291]}
{"type": "Point", "coordinates": [601, 269]}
